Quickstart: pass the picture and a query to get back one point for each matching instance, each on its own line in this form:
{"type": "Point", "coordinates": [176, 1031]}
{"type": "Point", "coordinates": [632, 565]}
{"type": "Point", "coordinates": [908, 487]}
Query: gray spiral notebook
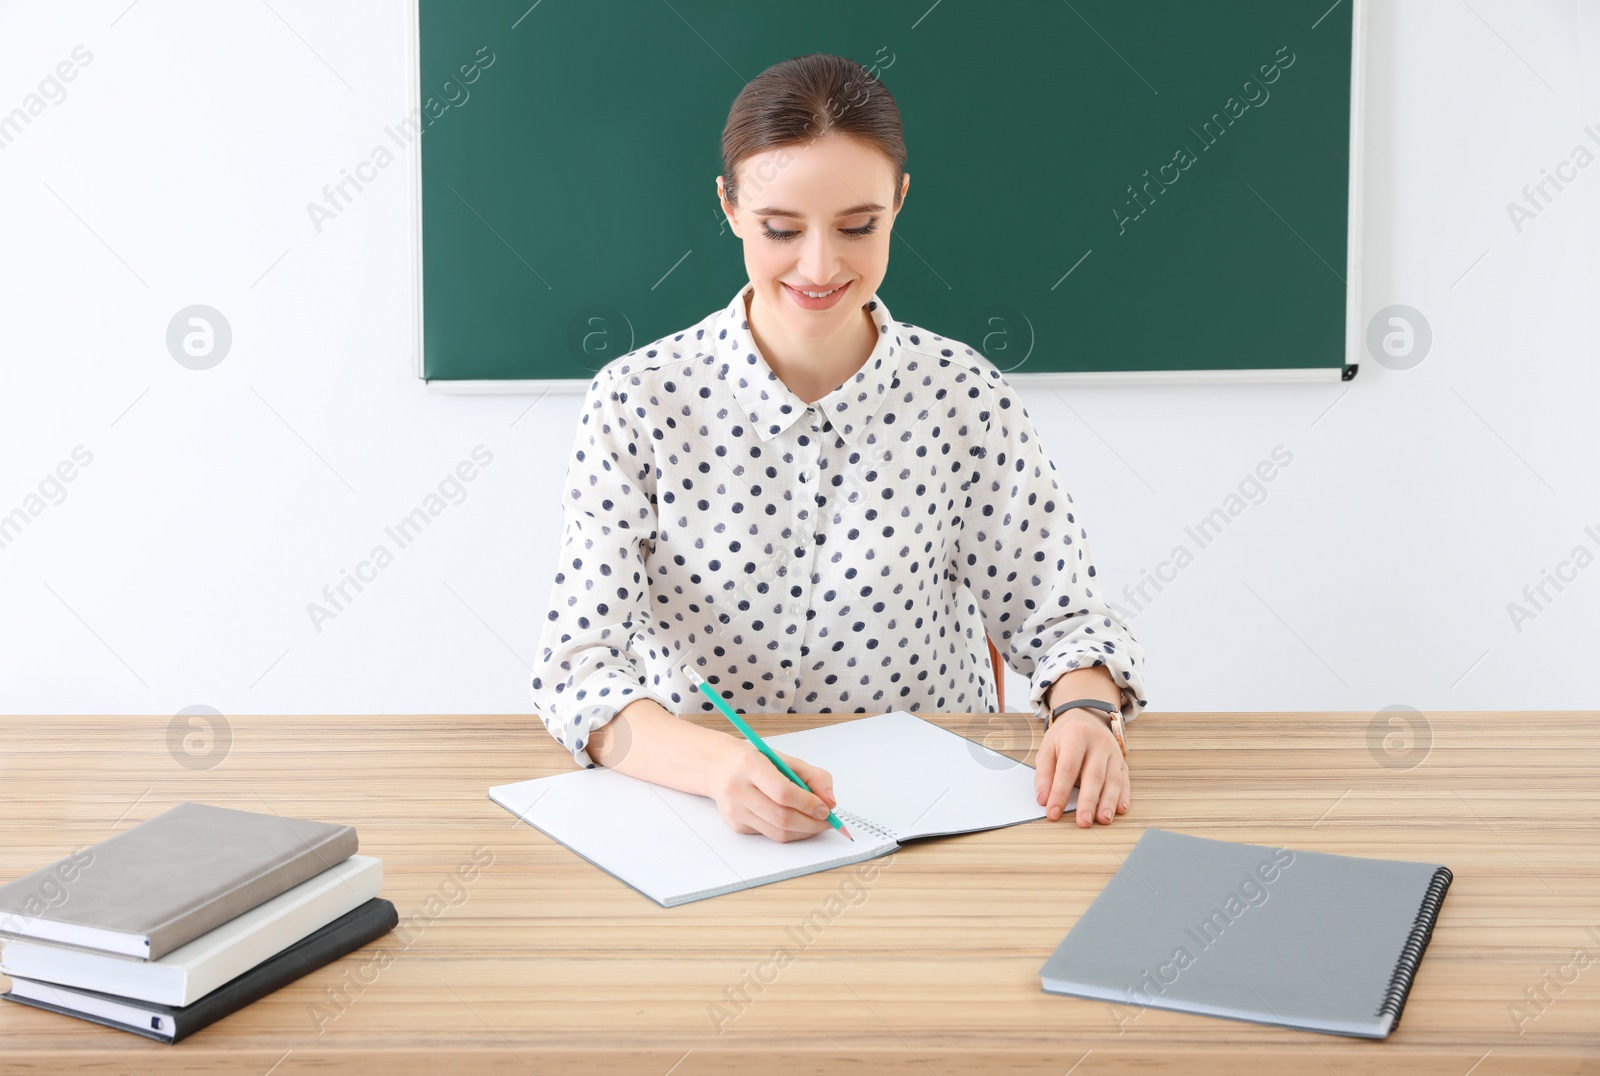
{"type": "Point", "coordinates": [1306, 940]}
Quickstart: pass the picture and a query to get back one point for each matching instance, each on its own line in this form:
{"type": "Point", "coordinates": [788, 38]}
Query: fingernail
{"type": "Point", "coordinates": [820, 812]}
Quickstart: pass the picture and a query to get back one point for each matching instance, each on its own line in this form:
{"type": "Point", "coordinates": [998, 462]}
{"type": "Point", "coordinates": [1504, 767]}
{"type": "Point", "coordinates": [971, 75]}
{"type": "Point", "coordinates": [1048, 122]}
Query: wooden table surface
{"type": "Point", "coordinates": [521, 957]}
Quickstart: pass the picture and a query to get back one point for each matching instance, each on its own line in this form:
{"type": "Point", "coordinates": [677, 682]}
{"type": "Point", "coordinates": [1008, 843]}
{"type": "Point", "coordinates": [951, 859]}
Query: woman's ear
{"type": "Point", "coordinates": [727, 210]}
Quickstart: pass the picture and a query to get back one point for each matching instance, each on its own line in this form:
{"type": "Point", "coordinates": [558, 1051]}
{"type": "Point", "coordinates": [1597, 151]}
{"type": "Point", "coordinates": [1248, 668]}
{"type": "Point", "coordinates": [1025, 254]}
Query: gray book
{"type": "Point", "coordinates": [166, 881]}
{"type": "Point", "coordinates": [1306, 940]}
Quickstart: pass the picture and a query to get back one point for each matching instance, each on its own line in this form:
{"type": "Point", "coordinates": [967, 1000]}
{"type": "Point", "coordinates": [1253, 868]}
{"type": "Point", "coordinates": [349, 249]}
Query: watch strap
{"type": "Point", "coordinates": [1093, 704]}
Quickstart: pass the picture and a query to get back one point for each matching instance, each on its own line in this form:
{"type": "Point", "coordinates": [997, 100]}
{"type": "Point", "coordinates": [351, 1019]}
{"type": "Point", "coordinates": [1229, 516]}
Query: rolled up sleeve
{"type": "Point", "coordinates": [1024, 554]}
{"type": "Point", "coordinates": [584, 672]}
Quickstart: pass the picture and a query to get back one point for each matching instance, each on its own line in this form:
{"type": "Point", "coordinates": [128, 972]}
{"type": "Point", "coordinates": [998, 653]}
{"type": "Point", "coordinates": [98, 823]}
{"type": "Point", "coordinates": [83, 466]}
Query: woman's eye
{"type": "Point", "coordinates": [854, 233]}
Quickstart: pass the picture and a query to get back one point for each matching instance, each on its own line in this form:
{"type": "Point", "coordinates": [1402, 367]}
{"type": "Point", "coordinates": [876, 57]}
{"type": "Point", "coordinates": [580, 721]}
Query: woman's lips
{"type": "Point", "coordinates": [806, 302]}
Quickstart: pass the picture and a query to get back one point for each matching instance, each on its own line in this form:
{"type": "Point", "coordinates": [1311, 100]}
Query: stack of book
{"type": "Point", "coordinates": [183, 919]}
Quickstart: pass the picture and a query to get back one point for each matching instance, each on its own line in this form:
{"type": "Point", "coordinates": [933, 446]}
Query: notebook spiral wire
{"type": "Point", "coordinates": [1394, 998]}
{"type": "Point", "coordinates": [855, 821]}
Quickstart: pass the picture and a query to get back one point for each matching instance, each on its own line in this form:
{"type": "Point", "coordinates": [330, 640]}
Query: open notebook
{"type": "Point", "coordinates": [896, 778]}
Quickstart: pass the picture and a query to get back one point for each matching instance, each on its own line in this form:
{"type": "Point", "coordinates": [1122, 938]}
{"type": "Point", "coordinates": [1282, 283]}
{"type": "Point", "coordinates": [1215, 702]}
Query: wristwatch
{"type": "Point", "coordinates": [1113, 716]}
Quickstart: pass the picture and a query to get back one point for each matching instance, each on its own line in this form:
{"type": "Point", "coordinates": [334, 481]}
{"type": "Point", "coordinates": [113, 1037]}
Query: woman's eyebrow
{"type": "Point", "coordinates": [864, 207]}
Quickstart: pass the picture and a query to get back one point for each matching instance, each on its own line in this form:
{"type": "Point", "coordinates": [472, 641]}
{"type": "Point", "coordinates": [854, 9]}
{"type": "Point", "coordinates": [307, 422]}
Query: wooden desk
{"type": "Point", "coordinates": [540, 962]}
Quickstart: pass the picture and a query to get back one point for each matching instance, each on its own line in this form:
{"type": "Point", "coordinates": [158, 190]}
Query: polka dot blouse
{"type": "Point", "coordinates": [843, 556]}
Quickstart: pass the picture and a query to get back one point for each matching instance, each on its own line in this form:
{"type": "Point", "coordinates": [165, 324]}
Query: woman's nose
{"type": "Point", "coordinates": [818, 259]}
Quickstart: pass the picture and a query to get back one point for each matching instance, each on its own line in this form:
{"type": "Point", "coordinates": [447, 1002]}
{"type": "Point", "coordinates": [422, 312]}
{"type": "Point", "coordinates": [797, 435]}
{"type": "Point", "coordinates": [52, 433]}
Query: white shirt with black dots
{"type": "Point", "coordinates": [843, 556]}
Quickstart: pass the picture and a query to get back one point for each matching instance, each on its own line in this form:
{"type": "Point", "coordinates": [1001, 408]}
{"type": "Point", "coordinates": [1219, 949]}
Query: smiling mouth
{"type": "Point", "coordinates": [811, 294]}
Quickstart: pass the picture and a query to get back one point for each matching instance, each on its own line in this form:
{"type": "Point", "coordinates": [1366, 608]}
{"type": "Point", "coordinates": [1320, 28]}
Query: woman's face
{"type": "Point", "coordinates": [815, 218]}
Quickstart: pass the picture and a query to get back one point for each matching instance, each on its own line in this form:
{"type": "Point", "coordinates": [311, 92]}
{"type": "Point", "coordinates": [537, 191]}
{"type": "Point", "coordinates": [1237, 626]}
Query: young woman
{"type": "Point", "coordinates": [816, 507]}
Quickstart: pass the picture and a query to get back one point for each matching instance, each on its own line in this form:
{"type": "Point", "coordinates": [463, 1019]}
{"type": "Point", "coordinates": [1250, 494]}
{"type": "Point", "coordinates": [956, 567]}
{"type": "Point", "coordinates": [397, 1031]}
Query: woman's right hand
{"type": "Point", "coordinates": [753, 796]}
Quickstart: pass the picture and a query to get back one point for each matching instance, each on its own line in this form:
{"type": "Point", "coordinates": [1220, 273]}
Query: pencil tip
{"type": "Point", "coordinates": [845, 830]}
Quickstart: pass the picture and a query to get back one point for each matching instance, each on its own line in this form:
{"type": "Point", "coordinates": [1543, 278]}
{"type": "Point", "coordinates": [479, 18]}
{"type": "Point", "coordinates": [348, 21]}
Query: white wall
{"type": "Point", "coordinates": [177, 570]}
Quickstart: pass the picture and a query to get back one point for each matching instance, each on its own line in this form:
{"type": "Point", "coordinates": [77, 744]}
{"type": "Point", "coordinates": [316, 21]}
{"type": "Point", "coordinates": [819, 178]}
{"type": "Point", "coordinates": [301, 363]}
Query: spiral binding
{"type": "Point", "coordinates": [854, 820]}
{"type": "Point", "coordinates": [1394, 999]}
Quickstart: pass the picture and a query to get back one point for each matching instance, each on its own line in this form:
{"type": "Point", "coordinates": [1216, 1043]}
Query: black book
{"type": "Point", "coordinates": [168, 1023]}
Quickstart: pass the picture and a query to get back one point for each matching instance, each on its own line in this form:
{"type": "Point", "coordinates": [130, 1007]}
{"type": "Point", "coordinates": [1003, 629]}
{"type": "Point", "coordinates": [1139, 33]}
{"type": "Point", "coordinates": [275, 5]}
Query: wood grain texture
{"type": "Point", "coordinates": [516, 956]}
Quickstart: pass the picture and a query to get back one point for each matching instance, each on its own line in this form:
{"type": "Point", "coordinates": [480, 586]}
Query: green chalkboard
{"type": "Point", "coordinates": [1100, 185]}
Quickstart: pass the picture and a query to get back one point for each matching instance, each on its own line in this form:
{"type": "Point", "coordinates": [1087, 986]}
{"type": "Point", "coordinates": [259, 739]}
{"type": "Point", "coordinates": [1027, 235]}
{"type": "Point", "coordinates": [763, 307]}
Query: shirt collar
{"type": "Point", "coordinates": [770, 404]}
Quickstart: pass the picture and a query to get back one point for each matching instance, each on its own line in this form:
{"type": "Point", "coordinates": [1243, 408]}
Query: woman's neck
{"type": "Point", "coordinates": [811, 368]}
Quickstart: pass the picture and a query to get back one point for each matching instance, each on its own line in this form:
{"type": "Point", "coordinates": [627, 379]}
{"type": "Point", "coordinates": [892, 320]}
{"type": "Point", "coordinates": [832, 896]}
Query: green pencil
{"type": "Point", "coordinates": [760, 744]}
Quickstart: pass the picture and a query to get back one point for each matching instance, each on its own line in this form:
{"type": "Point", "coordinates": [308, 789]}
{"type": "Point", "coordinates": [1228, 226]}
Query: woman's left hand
{"type": "Point", "coordinates": [1079, 749]}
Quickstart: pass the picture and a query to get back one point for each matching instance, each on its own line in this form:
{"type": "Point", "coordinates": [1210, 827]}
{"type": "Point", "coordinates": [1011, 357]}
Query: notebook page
{"type": "Point", "coordinates": [672, 846]}
{"type": "Point", "coordinates": [914, 778]}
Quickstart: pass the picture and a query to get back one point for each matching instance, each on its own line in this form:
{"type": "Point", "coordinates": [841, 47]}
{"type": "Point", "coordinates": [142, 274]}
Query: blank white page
{"type": "Point", "coordinates": [672, 846]}
{"type": "Point", "coordinates": [914, 778]}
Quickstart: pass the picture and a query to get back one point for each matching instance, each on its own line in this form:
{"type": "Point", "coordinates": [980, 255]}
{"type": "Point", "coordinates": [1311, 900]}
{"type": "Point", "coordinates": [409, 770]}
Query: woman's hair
{"type": "Point", "coordinates": [798, 101]}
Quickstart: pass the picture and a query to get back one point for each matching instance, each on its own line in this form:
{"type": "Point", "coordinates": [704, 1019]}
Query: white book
{"type": "Point", "coordinates": [218, 956]}
{"type": "Point", "coordinates": [896, 778]}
